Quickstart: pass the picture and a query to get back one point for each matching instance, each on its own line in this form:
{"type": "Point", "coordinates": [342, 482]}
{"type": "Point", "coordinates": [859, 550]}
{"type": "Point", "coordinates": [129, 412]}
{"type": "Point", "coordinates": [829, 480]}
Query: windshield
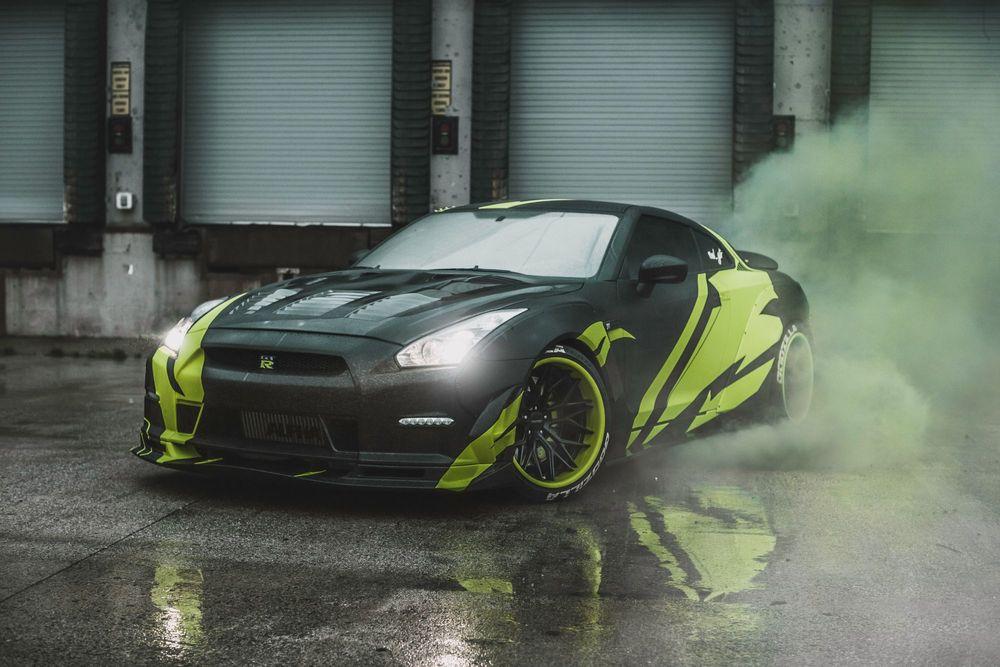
{"type": "Point", "coordinates": [539, 243]}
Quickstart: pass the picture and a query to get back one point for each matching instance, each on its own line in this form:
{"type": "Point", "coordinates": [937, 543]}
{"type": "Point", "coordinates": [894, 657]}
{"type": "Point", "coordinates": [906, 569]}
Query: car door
{"type": "Point", "coordinates": [674, 326]}
{"type": "Point", "coordinates": [704, 346]}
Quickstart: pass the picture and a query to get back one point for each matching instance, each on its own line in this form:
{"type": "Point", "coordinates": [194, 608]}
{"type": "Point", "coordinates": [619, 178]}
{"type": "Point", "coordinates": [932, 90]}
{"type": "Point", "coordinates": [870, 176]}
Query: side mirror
{"type": "Point", "coordinates": [662, 269]}
{"type": "Point", "coordinates": [755, 260]}
{"type": "Point", "coordinates": [358, 255]}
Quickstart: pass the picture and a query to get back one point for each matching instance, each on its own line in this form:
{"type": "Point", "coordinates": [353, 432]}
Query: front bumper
{"type": "Point", "coordinates": [194, 405]}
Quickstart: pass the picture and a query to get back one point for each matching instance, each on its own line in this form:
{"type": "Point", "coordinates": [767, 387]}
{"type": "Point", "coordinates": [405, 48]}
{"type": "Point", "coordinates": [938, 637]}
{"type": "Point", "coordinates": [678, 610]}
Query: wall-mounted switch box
{"type": "Point", "coordinates": [120, 134]}
{"type": "Point", "coordinates": [444, 135]}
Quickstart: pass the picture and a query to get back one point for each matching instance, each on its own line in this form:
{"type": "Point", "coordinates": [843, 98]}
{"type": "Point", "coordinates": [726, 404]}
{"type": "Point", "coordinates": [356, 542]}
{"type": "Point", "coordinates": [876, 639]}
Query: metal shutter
{"type": "Point", "coordinates": [629, 101]}
{"type": "Point", "coordinates": [933, 59]}
{"type": "Point", "coordinates": [31, 111]}
{"type": "Point", "coordinates": [287, 111]}
{"type": "Point", "coordinates": [935, 105]}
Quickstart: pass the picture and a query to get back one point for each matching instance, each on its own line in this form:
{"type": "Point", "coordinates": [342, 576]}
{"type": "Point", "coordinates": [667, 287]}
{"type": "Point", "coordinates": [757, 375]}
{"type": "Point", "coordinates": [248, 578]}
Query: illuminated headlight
{"type": "Point", "coordinates": [450, 345]}
{"type": "Point", "coordinates": [175, 337]}
{"type": "Point", "coordinates": [172, 341]}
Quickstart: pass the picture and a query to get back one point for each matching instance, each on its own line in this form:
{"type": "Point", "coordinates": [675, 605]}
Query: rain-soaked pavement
{"type": "Point", "coordinates": [104, 558]}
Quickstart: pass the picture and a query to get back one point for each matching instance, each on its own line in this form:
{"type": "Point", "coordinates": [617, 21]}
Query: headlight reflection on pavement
{"type": "Point", "coordinates": [177, 594]}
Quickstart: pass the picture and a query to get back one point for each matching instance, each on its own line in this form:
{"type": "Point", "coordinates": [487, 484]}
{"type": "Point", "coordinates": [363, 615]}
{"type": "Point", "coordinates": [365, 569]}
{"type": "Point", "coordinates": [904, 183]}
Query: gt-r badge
{"type": "Point", "coordinates": [267, 362]}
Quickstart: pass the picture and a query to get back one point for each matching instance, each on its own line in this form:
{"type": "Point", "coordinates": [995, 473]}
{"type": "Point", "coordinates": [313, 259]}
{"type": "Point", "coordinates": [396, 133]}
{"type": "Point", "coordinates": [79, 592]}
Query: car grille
{"type": "Point", "coordinates": [291, 429]}
{"type": "Point", "coordinates": [281, 363]}
{"type": "Point", "coordinates": [277, 432]}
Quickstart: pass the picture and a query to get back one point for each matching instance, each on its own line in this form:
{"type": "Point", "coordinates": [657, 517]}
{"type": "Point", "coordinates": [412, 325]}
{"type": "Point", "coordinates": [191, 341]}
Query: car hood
{"type": "Point", "coordinates": [394, 306]}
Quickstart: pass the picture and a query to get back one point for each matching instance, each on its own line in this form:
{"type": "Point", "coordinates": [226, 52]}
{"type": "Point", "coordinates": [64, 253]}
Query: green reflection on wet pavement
{"type": "Point", "coordinates": [487, 585]}
{"type": "Point", "coordinates": [715, 544]}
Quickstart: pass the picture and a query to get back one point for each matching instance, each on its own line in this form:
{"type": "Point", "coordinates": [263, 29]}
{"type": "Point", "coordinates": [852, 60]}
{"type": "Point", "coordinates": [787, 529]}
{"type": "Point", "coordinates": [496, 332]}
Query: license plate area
{"type": "Point", "coordinates": [304, 430]}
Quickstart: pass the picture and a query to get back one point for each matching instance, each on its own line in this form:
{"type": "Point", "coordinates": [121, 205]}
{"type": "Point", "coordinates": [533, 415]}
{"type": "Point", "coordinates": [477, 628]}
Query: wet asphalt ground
{"type": "Point", "coordinates": [106, 559]}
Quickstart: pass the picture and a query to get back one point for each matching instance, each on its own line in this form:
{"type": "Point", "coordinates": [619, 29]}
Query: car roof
{"type": "Point", "coordinates": [571, 206]}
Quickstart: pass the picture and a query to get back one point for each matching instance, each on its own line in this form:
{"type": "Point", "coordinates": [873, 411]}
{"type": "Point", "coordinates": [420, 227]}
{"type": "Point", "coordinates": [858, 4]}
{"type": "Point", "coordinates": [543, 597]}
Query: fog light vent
{"type": "Point", "coordinates": [187, 417]}
{"type": "Point", "coordinates": [426, 421]}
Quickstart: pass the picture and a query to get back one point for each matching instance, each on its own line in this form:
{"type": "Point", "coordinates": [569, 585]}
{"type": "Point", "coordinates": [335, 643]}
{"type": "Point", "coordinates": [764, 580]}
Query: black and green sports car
{"type": "Point", "coordinates": [514, 342]}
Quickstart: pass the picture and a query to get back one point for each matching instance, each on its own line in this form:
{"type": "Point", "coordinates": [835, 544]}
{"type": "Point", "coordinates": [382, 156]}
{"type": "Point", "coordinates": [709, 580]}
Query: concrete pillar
{"type": "Point", "coordinates": [802, 38]}
{"type": "Point", "coordinates": [452, 40]}
{"type": "Point", "coordinates": [126, 43]}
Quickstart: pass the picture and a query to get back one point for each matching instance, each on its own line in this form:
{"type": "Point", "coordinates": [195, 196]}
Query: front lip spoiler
{"type": "Point", "coordinates": [373, 471]}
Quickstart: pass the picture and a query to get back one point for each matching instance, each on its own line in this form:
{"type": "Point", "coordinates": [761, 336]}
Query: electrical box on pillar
{"type": "Point", "coordinates": [784, 132]}
{"type": "Point", "coordinates": [445, 135]}
{"type": "Point", "coordinates": [120, 134]}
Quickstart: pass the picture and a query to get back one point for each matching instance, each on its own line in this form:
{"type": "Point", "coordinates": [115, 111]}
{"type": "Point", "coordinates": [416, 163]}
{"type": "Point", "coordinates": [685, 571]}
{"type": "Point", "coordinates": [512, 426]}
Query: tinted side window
{"type": "Point", "coordinates": [713, 255]}
{"type": "Point", "coordinates": [655, 236]}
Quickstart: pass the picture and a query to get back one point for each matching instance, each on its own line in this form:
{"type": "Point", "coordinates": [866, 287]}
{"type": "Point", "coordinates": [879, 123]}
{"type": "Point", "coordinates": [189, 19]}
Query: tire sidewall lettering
{"type": "Point", "coordinates": [786, 342]}
{"type": "Point", "coordinates": [565, 493]}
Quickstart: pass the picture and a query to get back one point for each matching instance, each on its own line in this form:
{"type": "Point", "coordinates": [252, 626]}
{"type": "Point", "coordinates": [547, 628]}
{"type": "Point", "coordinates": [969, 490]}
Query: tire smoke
{"type": "Point", "coordinates": [892, 225]}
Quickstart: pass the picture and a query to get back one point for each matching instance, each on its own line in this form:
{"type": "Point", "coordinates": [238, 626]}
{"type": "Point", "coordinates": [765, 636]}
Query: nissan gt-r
{"type": "Point", "coordinates": [521, 343]}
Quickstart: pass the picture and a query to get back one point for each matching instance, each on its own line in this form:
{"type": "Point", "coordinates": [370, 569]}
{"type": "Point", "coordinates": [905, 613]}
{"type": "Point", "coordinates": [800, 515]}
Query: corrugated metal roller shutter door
{"type": "Point", "coordinates": [287, 111]}
{"type": "Point", "coordinates": [933, 59]}
{"type": "Point", "coordinates": [935, 97]}
{"type": "Point", "coordinates": [629, 101]}
{"type": "Point", "coordinates": [31, 111]}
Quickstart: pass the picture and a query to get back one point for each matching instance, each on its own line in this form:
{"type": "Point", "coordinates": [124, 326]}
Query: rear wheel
{"type": "Point", "coordinates": [794, 375]}
{"type": "Point", "coordinates": [562, 434]}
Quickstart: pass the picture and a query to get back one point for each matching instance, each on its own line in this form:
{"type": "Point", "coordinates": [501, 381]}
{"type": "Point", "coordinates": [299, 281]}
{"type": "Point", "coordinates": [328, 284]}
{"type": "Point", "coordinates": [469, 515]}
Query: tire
{"type": "Point", "coordinates": [563, 433]}
{"type": "Point", "coordinates": [794, 374]}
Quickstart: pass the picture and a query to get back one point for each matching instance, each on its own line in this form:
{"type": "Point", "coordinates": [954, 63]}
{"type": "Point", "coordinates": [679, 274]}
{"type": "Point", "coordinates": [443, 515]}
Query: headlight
{"type": "Point", "coordinates": [172, 341]}
{"type": "Point", "coordinates": [175, 337]}
{"type": "Point", "coordinates": [449, 346]}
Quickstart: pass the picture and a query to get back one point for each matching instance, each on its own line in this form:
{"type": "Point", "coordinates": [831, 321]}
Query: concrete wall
{"type": "Point", "coordinates": [127, 291]}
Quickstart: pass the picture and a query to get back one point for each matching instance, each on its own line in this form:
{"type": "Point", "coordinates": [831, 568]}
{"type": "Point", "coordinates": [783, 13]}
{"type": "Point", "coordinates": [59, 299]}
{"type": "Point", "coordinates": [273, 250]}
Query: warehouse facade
{"type": "Point", "coordinates": [157, 153]}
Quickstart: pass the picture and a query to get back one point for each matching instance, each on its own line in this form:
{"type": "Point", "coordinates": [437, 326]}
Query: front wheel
{"type": "Point", "coordinates": [562, 429]}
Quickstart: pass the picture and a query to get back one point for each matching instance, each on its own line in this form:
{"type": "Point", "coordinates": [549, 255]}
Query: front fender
{"type": "Point", "coordinates": [577, 323]}
{"type": "Point", "coordinates": [528, 335]}
{"type": "Point", "coordinates": [504, 359]}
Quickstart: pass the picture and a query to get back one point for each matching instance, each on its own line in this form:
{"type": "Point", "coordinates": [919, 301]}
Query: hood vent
{"type": "Point", "coordinates": [321, 303]}
{"type": "Point", "coordinates": [252, 305]}
{"type": "Point", "coordinates": [391, 306]}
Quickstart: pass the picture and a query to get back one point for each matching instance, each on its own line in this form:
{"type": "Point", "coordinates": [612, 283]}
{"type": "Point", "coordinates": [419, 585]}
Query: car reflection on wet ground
{"type": "Point", "coordinates": [105, 559]}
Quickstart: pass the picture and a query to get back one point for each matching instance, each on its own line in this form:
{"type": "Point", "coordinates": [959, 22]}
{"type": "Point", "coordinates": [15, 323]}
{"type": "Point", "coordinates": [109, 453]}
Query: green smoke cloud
{"type": "Point", "coordinates": [893, 227]}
